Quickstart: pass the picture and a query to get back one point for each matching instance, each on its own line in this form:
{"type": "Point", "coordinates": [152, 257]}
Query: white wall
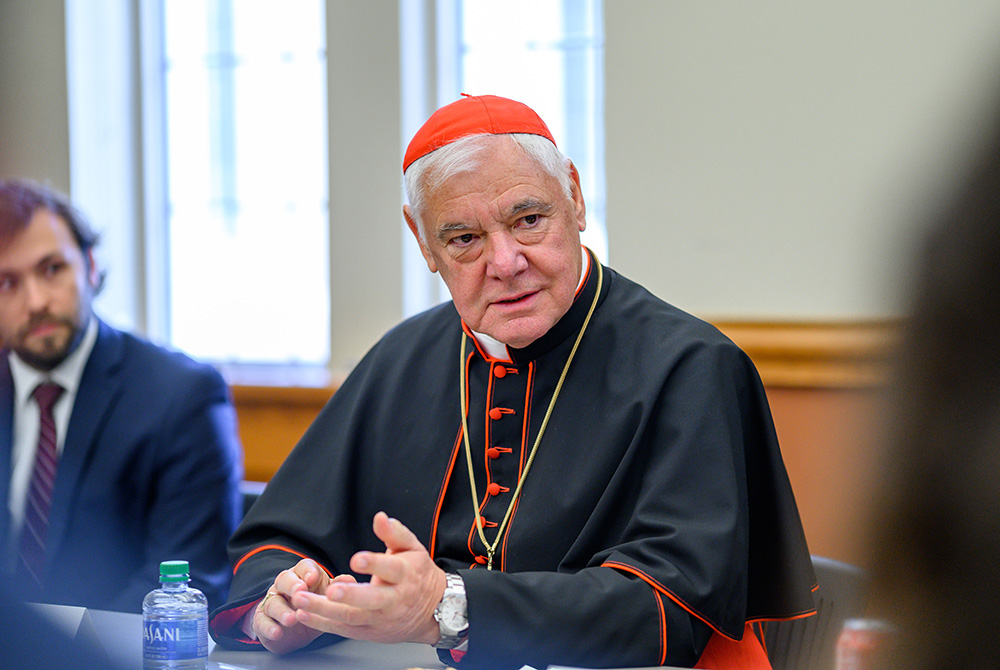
{"type": "Point", "coordinates": [365, 208]}
{"type": "Point", "coordinates": [34, 126]}
{"type": "Point", "coordinates": [774, 159]}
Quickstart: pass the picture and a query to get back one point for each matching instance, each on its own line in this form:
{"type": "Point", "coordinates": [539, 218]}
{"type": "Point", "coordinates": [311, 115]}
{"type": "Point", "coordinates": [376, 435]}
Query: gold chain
{"type": "Point", "coordinates": [491, 548]}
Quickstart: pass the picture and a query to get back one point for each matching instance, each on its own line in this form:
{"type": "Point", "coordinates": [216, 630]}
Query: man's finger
{"type": "Point", "coordinates": [356, 606]}
{"type": "Point", "coordinates": [394, 534]}
{"type": "Point", "coordinates": [307, 571]}
{"type": "Point", "coordinates": [361, 596]}
{"type": "Point", "coordinates": [386, 567]}
{"type": "Point", "coordinates": [272, 613]}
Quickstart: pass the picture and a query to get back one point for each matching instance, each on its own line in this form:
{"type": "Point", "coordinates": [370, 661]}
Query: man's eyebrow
{"type": "Point", "coordinates": [53, 257]}
{"type": "Point", "coordinates": [442, 232]}
{"type": "Point", "coordinates": [529, 204]}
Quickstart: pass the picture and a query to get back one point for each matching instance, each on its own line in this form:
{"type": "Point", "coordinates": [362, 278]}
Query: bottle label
{"type": "Point", "coordinates": [175, 640]}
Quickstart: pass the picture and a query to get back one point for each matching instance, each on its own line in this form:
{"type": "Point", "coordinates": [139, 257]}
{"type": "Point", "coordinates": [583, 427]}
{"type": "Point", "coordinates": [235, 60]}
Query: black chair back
{"type": "Point", "coordinates": [810, 643]}
{"type": "Point", "coordinates": [249, 492]}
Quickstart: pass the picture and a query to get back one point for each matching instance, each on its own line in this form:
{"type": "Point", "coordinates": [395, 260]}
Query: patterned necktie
{"type": "Point", "coordinates": [43, 479]}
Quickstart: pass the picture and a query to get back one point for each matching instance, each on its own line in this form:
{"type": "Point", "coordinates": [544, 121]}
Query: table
{"type": "Point", "coordinates": [121, 635]}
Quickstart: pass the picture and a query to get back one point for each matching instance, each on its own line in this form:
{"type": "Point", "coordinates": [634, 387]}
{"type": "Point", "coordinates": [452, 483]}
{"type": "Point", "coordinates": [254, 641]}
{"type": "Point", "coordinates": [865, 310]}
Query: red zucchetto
{"type": "Point", "coordinates": [474, 115]}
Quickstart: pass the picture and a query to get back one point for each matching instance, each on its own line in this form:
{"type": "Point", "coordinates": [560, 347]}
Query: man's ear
{"type": "Point", "coordinates": [93, 273]}
{"type": "Point", "coordinates": [414, 227]}
{"type": "Point", "coordinates": [577, 196]}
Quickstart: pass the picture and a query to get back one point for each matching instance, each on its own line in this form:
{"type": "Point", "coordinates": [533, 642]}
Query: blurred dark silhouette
{"type": "Point", "coordinates": [936, 542]}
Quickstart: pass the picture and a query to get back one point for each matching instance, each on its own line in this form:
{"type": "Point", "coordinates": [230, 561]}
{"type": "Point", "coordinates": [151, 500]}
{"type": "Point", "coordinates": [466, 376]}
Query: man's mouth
{"type": "Point", "coordinates": [44, 327]}
{"type": "Point", "coordinates": [514, 300]}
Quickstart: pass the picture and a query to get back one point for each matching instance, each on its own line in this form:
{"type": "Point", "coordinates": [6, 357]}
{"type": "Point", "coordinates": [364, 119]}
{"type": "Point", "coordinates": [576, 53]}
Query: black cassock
{"type": "Point", "coordinates": [657, 511]}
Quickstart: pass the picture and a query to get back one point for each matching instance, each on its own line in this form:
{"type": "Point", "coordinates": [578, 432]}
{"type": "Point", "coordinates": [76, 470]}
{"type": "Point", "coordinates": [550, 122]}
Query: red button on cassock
{"type": "Point", "coordinates": [494, 489]}
{"type": "Point", "coordinates": [492, 452]}
{"type": "Point", "coordinates": [481, 560]}
{"type": "Point", "coordinates": [499, 371]}
{"type": "Point", "coordinates": [496, 414]}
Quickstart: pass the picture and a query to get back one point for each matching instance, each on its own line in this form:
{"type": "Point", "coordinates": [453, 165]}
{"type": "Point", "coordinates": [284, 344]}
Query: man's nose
{"type": "Point", "coordinates": [506, 257]}
{"type": "Point", "coordinates": [36, 294]}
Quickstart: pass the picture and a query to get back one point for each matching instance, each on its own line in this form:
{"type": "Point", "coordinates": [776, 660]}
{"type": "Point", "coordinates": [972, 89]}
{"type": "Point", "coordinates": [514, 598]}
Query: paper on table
{"type": "Point", "coordinates": [76, 622]}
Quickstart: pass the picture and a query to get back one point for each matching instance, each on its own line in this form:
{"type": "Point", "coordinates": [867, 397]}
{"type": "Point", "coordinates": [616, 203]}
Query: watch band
{"type": "Point", "coordinates": [452, 614]}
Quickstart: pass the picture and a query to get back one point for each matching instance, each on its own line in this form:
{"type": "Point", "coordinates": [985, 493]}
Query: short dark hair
{"type": "Point", "coordinates": [21, 198]}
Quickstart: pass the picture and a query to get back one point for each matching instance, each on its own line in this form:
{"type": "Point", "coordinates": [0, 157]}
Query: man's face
{"type": "Point", "coordinates": [506, 240]}
{"type": "Point", "coordinates": [46, 288]}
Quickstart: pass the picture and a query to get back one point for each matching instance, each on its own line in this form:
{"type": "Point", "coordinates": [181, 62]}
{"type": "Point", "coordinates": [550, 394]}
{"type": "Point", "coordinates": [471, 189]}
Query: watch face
{"type": "Point", "coordinates": [451, 616]}
{"type": "Point", "coordinates": [451, 613]}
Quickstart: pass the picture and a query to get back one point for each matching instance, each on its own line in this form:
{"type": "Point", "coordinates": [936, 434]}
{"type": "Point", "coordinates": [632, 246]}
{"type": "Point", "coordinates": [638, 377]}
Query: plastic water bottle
{"type": "Point", "coordinates": [174, 622]}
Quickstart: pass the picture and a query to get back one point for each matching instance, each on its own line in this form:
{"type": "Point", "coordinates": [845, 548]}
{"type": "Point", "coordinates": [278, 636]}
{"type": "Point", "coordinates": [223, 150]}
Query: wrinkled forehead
{"type": "Point", "coordinates": [475, 154]}
{"type": "Point", "coordinates": [490, 165]}
{"type": "Point", "coordinates": [463, 155]}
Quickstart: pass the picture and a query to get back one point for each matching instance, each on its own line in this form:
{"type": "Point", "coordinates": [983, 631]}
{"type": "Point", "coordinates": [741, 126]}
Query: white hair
{"type": "Point", "coordinates": [463, 155]}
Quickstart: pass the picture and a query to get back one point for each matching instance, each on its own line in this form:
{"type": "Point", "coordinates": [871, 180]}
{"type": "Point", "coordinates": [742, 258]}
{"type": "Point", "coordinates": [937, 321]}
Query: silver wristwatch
{"type": "Point", "coordinates": [452, 614]}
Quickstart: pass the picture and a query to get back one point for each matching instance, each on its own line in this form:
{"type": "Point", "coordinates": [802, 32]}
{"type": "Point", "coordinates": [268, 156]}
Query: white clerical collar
{"type": "Point", "coordinates": [494, 348]}
{"type": "Point", "coordinates": [497, 349]}
{"type": "Point", "coordinates": [67, 374]}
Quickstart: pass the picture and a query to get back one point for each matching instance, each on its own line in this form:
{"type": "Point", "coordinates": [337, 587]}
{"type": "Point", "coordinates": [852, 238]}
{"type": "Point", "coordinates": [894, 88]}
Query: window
{"type": "Point", "coordinates": [244, 241]}
{"type": "Point", "coordinates": [548, 54]}
{"type": "Point", "coordinates": [206, 162]}
{"type": "Point", "coordinates": [545, 53]}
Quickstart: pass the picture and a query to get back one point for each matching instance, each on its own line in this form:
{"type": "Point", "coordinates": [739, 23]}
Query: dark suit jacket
{"type": "Point", "coordinates": [150, 471]}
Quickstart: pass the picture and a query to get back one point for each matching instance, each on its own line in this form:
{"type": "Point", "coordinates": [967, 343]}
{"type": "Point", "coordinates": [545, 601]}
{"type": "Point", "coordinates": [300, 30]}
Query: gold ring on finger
{"type": "Point", "coordinates": [264, 601]}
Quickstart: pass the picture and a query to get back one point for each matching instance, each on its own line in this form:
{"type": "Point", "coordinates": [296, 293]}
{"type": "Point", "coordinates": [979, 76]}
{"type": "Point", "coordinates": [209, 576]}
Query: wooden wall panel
{"type": "Point", "coordinates": [841, 355]}
{"type": "Point", "coordinates": [828, 439]}
{"type": "Point", "coordinates": [272, 419]}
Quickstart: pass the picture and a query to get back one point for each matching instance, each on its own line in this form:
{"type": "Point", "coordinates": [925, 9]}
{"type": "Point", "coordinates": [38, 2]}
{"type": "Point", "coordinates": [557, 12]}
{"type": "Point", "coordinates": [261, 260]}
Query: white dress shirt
{"type": "Point", "coordinates": [26, 420]}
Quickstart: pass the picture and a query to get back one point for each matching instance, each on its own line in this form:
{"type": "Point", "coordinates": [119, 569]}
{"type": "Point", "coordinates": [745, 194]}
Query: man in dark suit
{"type": "Point", "coordinates": [136, 461]}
